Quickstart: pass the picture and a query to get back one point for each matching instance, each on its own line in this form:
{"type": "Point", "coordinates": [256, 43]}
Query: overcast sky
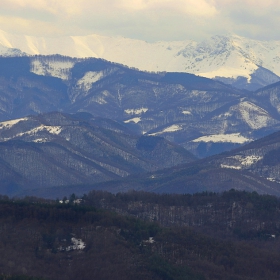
{"type": "Point", "coordinates": [150, 20]}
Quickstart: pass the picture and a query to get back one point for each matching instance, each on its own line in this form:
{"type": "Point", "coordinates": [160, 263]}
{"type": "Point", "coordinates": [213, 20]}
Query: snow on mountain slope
{"type": "Point", "coordinates": [171, 128]}
{"type": "Point", "coordinates": [10, 51]}
{"type": "Point", "coordinates": [220, 56]}
{"type": "Point", "coordinates": [135, 120]}
{"type": "Point", "coordinates": [253, 115]}
{"type": "Point", "coordinates": [260, 157]}
{"type": "Point", "coordinates": [9, 124]}
{"type": "Point", "coordinates": [223, 138]}
{"type": "Point", "coordinates": [88, 79]}
{"type": "Point", "coordinates": [136, 111]}
{"type": "Point", "coordinates": [7, 132]}
{"type": "Point", "coordinates": [58, 67]}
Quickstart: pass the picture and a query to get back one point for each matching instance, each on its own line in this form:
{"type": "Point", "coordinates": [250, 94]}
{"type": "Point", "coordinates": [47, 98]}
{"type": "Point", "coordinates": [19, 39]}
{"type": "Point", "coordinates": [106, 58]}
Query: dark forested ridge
{"type": "Point", "coordinates": [189, 178]}
{"type": "Point", "coordinates": [234, 235]}
{"type": "Point", "coordinates": [237, 214]}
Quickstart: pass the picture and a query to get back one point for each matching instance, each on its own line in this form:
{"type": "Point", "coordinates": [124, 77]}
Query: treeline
{"type": "Point", "coordinates": [18, 277]}
{"type": "Point", "coordinates": [262, 202]}
{"type": "Point", "coordinates": [232, 214]}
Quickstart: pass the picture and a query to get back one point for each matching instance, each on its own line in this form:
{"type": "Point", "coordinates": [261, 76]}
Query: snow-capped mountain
{"type": "Point", "coordinates": [233, 59]}
{"type": "Point", "coordinates": [10, 52]}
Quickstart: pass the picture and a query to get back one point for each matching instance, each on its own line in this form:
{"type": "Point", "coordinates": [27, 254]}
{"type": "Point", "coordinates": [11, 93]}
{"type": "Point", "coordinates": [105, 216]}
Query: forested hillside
{"type": "Point", "coordinates": [229, 214]}
{"type": "Point", "coordinates": [52, 240]}
{"type": "Point", "coordinates": [56, 149]}
{"type": "Point", "coordinates": [204, 116]}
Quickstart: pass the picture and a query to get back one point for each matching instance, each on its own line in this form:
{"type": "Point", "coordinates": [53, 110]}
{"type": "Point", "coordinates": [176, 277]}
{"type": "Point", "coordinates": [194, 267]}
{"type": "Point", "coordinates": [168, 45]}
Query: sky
{"type": "Point", "coordinates": [149, 20]}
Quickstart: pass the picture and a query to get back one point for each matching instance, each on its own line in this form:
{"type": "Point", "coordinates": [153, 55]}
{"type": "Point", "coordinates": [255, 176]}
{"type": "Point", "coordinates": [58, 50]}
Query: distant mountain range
{"type": "Point", "coordinates": [54, 154]}
{"type": "Point", "coordinates": [109, 123]}
{"type": "Point", "coordinates": [58, 149]}
{"type": "Point", "coordinates": [253, 167]}
{"type": "Point", "coordinates": [242, 62]}
{"type": "Point", "coordinates": [203, 115]}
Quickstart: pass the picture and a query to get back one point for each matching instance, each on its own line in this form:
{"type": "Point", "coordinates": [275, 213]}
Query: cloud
{"type": "Point", "coordinates": [18, 25]}
{"type": "Point", "coordinates": [74, 7]}
{"type": "Point", "coordinates": [190, 7]}
{"type": "Point", "coordinates": [59, 8]}
{"type": "Point", "coordinates": [254, 18]}
{"type": "Point", "coordinates": [150, 20]}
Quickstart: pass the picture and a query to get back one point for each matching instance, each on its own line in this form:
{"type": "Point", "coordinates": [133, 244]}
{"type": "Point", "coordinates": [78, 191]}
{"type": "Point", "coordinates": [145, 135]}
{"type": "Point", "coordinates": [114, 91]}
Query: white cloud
{"type": "Point", "coordinates": [72, 7]}
{"type": "Point", "coordinates": [59, 8]}
{"type": "Point", "coordinates": [190, 7]}
{"type": "Point", "coordinates": [144, 19]}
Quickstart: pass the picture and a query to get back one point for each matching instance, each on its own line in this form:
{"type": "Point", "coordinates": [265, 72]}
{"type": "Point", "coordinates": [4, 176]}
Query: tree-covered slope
{"type": "Point", "coordinates": [56, 149]}
{"type": "Point", "coordinates": [43, 238]}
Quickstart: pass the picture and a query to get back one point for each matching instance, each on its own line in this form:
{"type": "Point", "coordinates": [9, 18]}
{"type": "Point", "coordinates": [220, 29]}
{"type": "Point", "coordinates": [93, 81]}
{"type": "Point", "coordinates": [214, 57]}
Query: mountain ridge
{"type": "Point", "coordinates": [253, 167]}
{"type": "Point", "coordinates": [203, 115]}
{"type": "Point", "coordinates": [229, 58]}
{"type": "Point", "coordinates": [56, 149]}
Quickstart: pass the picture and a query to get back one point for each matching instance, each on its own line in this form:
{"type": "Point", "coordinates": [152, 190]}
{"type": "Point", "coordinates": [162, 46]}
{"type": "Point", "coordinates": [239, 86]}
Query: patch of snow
{"type": "Point", "coordinates": [253, 115]}
{"type": "Point", "coordinates": [241, 161]}
{"type": "Point", "coordinates": [172, 128]}
{"type": "Point", "coordinates": [40, 140]}
{"type": "Point", "coordinates": [231, 72]}
{"type": "Point", "coordinates": [77, 244]}
{"type": "Point", "coordinates": [136, 111]}
{"type": "Point", "coordinates": [65, 201]}
{"type": "Point", "coordinates": [223, 138]}
{"type": "Point", "coordinates": [225, 115]}
{"type": "Point", "coordinates": [9, 124]}
{"type": "Point", "coordinates": [150, 240]}
{"type": "Point", "coordinates": [106, 93]}
{"type": "Point", "coordinates": [230, 166]}
{"type": "Point", "coordinates": [271, 179]}
{"type": "Point", "coordinates": [89, 79]}
{"type": "Point", "coordinates": [77, 201]}
{"type": "Point", "coordinates": [98, 99]}
{"type": "Point", "coordinates": [247, 160]}
{"type": "Point", "coordinates": [55, 67]}
{"type": "Point", "coordinates": [185, 112]}
{"type": "Point", "coordinates": [51, 129]}
{"type": "Point", "coordinates": [135, 120]}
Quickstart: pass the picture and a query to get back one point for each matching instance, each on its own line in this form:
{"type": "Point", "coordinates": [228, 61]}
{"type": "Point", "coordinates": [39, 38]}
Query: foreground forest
{"type": "Point", "coordinates": [234, 235]}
